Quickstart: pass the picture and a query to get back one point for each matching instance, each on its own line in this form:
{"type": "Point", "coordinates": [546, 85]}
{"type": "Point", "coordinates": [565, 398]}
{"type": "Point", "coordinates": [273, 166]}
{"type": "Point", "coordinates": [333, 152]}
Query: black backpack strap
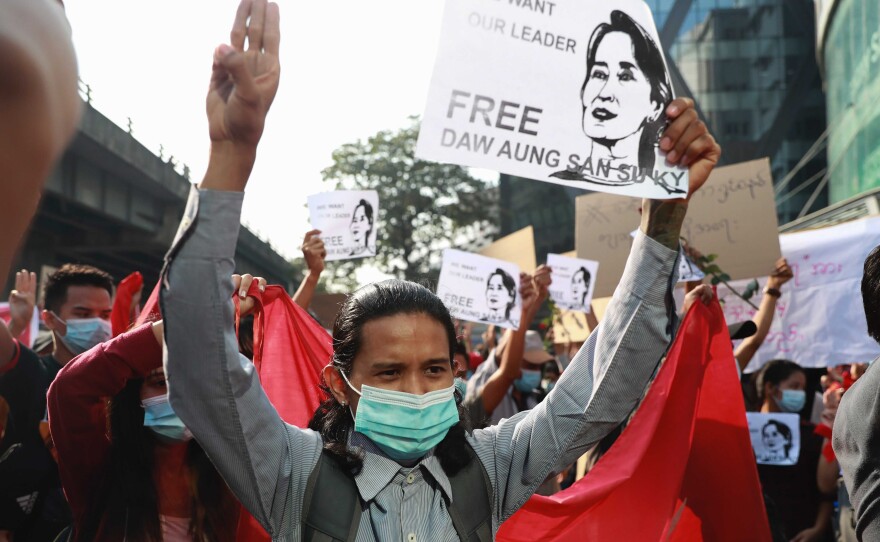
{"type": "Point", "coordinates": [331, 504]}
{"type": "Point", "coordinates": [471, 507]}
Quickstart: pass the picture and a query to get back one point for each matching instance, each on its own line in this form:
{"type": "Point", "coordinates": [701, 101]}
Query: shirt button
{"type": "Point", "coordinates": [410, 479]}
{"type": "Point", "coordinates": [411, 537]}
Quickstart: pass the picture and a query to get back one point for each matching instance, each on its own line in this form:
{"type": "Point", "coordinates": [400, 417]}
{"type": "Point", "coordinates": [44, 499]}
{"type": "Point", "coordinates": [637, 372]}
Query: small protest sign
{"type": "Point", "coordinates": [733, 216]}
{"type": "Point", "coordinates": [571, 92]}
{"type": "Point", "coordinates": [517, 248]}
{"type": "Point", "coordinates": [573, 282]}
{"type": "Point", "coordinates": [776, 437]}
{"type": "Point", "coordinates": [348, 222]}
{"type": "Point", "coordinates": [480, 289]}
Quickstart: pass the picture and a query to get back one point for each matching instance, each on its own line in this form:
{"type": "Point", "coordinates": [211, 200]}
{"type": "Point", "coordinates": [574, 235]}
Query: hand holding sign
{"type": "Point", "coordinates": [314, 252]}
{"type": "Point", "coordinates": [22, 301]}
{"type": "Point", "coordinates": [347, 221]}
{"type": "Point", "coordinates": [689, 143]}
{"type": "Point", "coordinates": [576, 279]}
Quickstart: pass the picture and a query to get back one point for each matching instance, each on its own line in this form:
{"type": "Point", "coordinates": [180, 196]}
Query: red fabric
{"type": "Point", "coordinates": [290, 349]}
{"type": "Point", "coordinates": [682, 470]}
{"type": "Point", "coordinates": [150, 310]}
{"type": "Point", "coordinates": [120, 316]}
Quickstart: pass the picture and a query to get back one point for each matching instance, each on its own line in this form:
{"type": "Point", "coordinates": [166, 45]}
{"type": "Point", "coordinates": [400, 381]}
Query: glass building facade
{"type": "Point", "coordinates": [751, 67]}
{"type": "Point", "coordinates": [850, 52]}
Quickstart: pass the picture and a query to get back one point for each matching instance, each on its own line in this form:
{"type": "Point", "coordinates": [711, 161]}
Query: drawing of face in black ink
{"type": "Point", "coordinates": [777, 439]}
{"type": "Point", "coordinates": [500, 295]}
{"type": "Point", "coordinates": [580, 286]}
{"type": "Point", "coordinates": [361, 226]}
{"type": "Point", "coordinates": [626, 88]}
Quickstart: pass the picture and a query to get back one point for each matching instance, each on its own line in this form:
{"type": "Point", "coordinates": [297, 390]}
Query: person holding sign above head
{"type": "Point", "coordinates": [624, 93]}
{"type": "Point", "coordinates": [389, 455]}
{"type": "Point", "coordinates": [362, 229]}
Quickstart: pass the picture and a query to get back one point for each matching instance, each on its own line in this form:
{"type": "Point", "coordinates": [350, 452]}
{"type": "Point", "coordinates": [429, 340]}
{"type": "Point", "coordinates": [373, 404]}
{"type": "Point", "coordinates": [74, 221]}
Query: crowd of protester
{"type": "Point", "coordinates": [161, 432]}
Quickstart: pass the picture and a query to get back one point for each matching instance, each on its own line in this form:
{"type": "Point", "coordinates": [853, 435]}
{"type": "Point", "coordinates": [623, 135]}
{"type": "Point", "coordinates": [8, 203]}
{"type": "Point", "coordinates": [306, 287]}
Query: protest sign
{"type": "Point", "coordinates": [733, 216]}
{"type": "Point", "coordinates": [517, 248]}
{"type": "Point", "coordinates": [571, 92]}
{"type": "Point", "coordinates": [480, 289]}
{"type": "Point", "coordinates": [776, 438]}
{"type": "Point", "coordinates": [29, 335]}
{"type": "Point", "coordinates": [347, 220]}
{"type": "Point", "coordinates": [819, 320]}
{"type": "Point", "coordinates": [573, 282]}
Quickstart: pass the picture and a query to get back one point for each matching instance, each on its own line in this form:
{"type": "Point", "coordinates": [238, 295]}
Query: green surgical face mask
{"type": "Point", "coordinates": [403, 425]}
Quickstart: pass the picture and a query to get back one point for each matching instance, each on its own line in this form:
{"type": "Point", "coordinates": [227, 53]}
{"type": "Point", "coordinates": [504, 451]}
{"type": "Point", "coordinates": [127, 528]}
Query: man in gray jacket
{"type": "Point", "coordinates": [856, 433]}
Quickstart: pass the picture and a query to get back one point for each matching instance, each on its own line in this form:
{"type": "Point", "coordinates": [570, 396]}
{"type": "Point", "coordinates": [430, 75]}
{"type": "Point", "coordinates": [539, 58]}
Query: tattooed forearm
{"type": "Point", "coordinates": [662, 220]}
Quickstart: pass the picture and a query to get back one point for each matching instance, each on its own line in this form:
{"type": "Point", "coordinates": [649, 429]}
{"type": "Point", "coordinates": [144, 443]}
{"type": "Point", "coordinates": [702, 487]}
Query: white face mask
{"type": "Point", "coordinates": [84, 333]}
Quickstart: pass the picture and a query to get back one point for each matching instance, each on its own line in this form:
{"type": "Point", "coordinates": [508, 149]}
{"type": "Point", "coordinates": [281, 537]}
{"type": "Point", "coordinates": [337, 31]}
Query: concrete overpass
{"type": "Point", "coordinates": [114, 204]}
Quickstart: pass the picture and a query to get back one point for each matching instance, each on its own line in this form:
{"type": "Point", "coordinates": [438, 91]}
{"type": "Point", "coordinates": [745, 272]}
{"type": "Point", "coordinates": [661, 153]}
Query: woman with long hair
{"type": "Point", "coordinates": [134, 474]}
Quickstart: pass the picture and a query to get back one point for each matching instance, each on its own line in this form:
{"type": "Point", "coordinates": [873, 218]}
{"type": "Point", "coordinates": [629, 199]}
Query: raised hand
{"type": "Point", "coordinates": [543, 279]}
{"type": "Point", "coordinates": [314, 252]}
{"type": "Point", "coordinates": [780, 275]}
{"type": "Point", "coordinates": [243, 86]}
{"type": "Point", "coordinates": [688, 143]}
{"type": "Point", "coordinates": [21, 301]}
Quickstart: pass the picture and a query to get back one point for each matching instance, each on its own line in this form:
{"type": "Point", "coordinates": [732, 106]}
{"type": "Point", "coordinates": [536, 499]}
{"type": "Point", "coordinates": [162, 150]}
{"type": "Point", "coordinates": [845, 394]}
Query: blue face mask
{"type": "Point", "coordinates": [84, 333]}
{"type": "Point", "coordinates": [160, 418]}
{"type": "Point", "coordinates": [403, 425]}
{"type": "Point", "coordinates": [461, 386]}
{"type": "Point", "coordinates": [792, 400]}
{"type": "Point", "coordinates": [528, 381]}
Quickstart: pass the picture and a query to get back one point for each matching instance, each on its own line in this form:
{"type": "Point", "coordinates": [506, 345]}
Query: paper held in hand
{"type": "Point", "coordinates": [348, 222]}
{"type": "Point", "coordinates": [776, 438]}
{"type": "Point", "coordinates": [573, 282]}
{"type": "Point", "coordinates": [480, 289]}
{"type": "Point", "coordinates": [571, 92]}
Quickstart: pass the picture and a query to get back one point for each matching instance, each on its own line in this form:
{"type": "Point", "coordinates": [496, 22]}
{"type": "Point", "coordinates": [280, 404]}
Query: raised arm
{"type": "Point", "coordinates": [533, 291]}
{"type": "Point", "coordinates": [39, 108]}
{"type": "Point", "coordinates": [764, 317]}
{"type": "Point", "coordinates": [314, 253]}
{"type": "Point", "coordinates": [608, 377]}
{"type": "Point", "coordinates": [212, 388]}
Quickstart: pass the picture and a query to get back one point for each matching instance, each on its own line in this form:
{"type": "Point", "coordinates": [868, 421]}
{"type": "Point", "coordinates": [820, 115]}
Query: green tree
{"type": "Point", "coordinates": [423, 206]}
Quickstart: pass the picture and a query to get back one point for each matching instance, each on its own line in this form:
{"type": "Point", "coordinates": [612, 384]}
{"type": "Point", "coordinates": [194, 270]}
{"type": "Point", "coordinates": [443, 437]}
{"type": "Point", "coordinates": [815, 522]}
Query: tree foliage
{"type": "Point", "coordinates": [423, 206]}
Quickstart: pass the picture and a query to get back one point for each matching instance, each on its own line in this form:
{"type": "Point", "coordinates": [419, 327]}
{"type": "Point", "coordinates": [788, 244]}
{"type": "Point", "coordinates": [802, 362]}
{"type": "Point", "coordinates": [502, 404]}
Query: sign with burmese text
{"type": "Point", "coordinates": [348, 222]}
{"type": "Point", "coordinates": [480, 289]}
{"type": "Point", "coordinates": [571, 92]}
{"type": "Point", "coordinates": [733, 216]}
{"type": "Point", "coordinates": [819, 320]}
{"type": "Point", "coordinates": [573, 282]}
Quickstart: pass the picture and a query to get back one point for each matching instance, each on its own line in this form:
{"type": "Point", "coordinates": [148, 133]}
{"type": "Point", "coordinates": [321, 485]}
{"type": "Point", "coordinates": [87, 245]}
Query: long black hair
{"type": "Point", "coordinates": [368, 212]}
{"type": "Point", "coordinates": [388, 298]}
{"type": "Point", "coordinates": [125, 505]}
{"type": "Point", "coordinates": [650, 60]}
{"type": "Point", "coordinates": [783, 430]}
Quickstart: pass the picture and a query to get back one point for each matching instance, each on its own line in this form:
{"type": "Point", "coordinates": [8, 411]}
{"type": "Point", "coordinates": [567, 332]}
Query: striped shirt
{"type": "Point", "coordinates": [267, 462]}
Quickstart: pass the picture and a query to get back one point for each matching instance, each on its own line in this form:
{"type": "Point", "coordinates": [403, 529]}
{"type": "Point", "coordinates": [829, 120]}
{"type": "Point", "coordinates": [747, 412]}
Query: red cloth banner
{"type": "Point", "coordinates": [120, 315]}
{"type": "Point", "coordinates": [682, 470]}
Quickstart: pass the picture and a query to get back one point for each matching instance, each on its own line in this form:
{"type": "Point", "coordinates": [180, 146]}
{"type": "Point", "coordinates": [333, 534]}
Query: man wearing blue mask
{"type": "Point", "coordinates": [77, 302]}
{"type": "Point", "coordinates": [389, 455]}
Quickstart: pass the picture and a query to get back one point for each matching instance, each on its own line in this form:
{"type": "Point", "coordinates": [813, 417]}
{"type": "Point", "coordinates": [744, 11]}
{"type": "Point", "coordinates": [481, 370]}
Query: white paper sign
{"type": "Point", "coordinates": [571, 92]}
{"type": "Point", "coordinates": [574, 280]}
{"type": "Point", "coordinates": [776, 438]}
{"type": "Point", "coordinates": [819, 320]}
{"type": "Point", "coordinates": [480, 289]}
{"type": "Point", "coordinates": [348, 222]}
